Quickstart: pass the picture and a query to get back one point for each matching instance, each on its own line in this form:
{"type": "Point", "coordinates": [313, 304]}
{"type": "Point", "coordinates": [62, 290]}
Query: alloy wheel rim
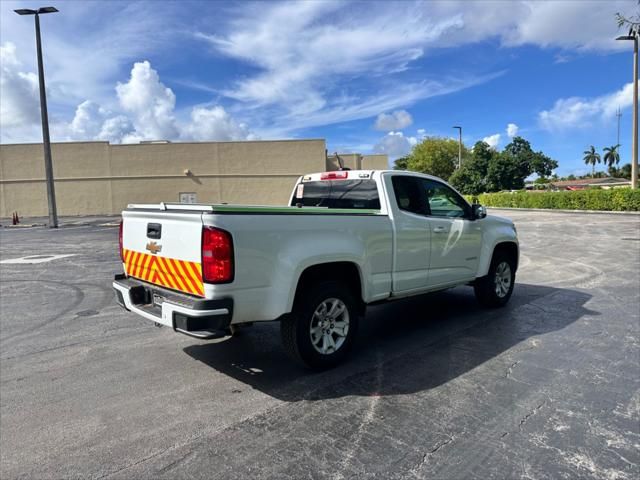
{"type": "Point", "coordinates": [329, 326]}
{"type": "Point", "coordinates": [502, 279]}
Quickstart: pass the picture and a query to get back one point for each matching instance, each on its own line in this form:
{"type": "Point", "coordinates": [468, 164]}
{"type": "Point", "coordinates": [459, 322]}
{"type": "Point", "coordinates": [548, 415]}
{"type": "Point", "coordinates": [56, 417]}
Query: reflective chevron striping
{"type": "Point", "coordinates": [167, 272]}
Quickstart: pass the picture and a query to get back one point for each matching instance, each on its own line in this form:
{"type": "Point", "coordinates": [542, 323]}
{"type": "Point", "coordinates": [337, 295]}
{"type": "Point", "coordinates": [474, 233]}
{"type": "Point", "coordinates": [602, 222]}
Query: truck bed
{"type": "Point", "coordinates": [223, 209]}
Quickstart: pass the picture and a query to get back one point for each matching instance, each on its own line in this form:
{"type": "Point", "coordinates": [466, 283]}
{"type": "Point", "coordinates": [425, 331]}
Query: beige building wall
{"type": "Point", "coordinates": [95, 178]}
{"type": "Point", "coordinates": [356, 161]}
{"type": "Point", "coordinates": [375, 162]}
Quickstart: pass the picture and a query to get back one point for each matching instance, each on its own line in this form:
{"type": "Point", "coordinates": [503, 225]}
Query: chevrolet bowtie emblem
{"type": "Point", "coordinates": [153, 247]}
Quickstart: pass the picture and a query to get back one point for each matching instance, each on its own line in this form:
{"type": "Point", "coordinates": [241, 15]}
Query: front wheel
{"type": "Point", "coordinates": [495, 289]}
{"type": "Point", "coordinates": [322, 326]}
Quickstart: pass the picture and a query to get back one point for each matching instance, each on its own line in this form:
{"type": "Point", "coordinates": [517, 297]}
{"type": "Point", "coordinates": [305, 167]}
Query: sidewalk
{"type": "Point", "coordinates": [73, 221]}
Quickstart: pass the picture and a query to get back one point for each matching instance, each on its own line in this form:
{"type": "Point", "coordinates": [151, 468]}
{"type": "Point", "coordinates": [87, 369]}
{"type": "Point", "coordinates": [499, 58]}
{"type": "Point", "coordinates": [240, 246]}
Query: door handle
{"type": "Point", "coordinates": [439, 230]}
{"type": "Point", "coordinates": [154, 230]}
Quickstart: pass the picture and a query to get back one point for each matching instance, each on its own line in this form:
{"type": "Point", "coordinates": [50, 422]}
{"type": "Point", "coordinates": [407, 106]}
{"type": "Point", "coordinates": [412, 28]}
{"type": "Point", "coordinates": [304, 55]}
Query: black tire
{"type": "Point", "coordinates": [296, 333]}
{"type": "Point", "coordinates": [487, 289]}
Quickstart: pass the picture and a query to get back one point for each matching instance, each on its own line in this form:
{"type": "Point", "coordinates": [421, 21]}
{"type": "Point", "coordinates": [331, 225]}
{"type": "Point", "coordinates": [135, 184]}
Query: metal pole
{"type": "Point", "coordinates": [634, 162]}
{"type": "Point", "coordinates": [460, 148]}
{"type": "Point", "coordinates": [459, 145]}
{"type": "Point", "coordinates": [48, 166]}
{"type": "Point", "coordinates": [618, 114]}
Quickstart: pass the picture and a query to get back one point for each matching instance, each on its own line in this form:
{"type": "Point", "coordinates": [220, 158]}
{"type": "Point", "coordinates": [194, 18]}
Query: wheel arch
{"type": "Point", "coordinates": [508, 247]}
{"type": "Point", "coordinates": [344, 271]}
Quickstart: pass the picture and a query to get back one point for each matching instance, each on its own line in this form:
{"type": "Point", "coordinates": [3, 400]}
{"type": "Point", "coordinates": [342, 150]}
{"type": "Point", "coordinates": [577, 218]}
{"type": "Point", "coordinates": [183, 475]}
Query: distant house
{"type": "Point", "coordinates": [584, 183]}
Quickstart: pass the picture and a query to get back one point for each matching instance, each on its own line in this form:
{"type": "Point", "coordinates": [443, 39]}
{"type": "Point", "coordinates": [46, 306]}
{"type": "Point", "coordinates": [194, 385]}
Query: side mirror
{"type": "Point", "coordinates": [479, 211]}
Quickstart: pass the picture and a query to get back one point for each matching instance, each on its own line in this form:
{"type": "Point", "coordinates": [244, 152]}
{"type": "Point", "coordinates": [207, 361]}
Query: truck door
{"type": "Point", "coordinates": [455, 238]}
{"type": "Point", "coordinates": [412, 233]}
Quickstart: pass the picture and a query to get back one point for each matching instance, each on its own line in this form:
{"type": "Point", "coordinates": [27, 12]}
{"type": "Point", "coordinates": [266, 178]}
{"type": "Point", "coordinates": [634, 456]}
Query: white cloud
{"type": "Point", "coordinates": [93, 122]}
{"type": "Point", "coordinates": [116, 128]}
{"type": "Point", "coordinates": [150, 103]}
{"type": "Point", "coordinates": [512, 130]}
{"type": "Point", "coordinates": [215, 123]}
{"type": "Point", "coordinates": [396, 120]}
{"type": "Point", "coordinates": [147, 113]}
{"type": "Point", "coordinates": [567, 24]}
{"type": "Point", "coordinates": [300, 53]}
{"type": "Point", "coordinates": [344, 110]}
{"type": "Point", "coordinates": [87, 121]}
{"type": "Point", "coordinates": [394, 144]}
{"type": "Point", "coordinates": [492, 140]}
{"type": "Point", "coordinates": [87, 45]}
{"type": "Point", "coordinates": [311, 63]}
{"type": "Point", "coordinates": [20, 103]}
{"type": "Point", "coordinates": [306, 56]}
{"type": "Point", "coordinates": [305, 64]}
{"type": "Point", "coordinates": [577, 112]}
{"type": "Point", "coordinates": [554, 24]}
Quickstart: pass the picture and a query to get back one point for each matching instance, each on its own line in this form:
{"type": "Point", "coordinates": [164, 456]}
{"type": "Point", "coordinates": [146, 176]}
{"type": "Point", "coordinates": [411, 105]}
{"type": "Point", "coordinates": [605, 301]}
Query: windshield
{"type": "Point", "coordinates": [359, 194]}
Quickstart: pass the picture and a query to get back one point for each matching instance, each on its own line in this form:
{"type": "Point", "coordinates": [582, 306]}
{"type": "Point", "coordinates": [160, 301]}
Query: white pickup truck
{"type": "Point", "coordinates": [348, 239]}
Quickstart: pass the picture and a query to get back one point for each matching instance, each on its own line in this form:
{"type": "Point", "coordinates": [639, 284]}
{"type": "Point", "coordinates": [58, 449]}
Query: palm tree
{"type": "Point", "coordinates": [611, 156]}
{"type": "Point", "coordinates": [591, 157]}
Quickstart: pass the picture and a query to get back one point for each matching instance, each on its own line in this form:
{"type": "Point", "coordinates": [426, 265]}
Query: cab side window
{"type": "Point", "coordinates": [444, 201]}
{"type": "Point", "coordinates": [410, 197]}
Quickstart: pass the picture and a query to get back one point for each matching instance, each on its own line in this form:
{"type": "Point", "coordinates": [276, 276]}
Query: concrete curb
{"type": "Point", "coordinates": [553, 210]}
{"type": "Point", "coordinates": [24, 225]}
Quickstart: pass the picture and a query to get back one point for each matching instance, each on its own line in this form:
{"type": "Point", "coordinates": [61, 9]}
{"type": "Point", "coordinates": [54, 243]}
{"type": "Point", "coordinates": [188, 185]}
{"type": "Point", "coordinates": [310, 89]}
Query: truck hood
{"type": "Point", "coordinates": [498, 220]}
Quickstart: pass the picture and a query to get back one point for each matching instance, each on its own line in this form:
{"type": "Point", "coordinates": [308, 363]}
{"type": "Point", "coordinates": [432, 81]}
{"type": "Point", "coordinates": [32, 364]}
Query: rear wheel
{"type": "Point", "coordinates": [322, 326]}
{"type": "Point", "coordinates": [495, 289]}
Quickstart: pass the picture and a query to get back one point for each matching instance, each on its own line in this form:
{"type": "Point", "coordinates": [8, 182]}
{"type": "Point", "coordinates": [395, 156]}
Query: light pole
{"type": "Point", "coordinates": [618, 114]}
{"type": "Point", "coordinates": [48, 166]}
{"type": "Point", "coordinates": [633, 35]}
{"type": "Point", "coordinates": [459, 145]}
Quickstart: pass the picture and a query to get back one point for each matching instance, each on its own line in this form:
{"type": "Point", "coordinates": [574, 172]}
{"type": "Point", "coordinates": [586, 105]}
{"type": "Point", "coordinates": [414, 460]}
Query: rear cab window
{"type": "Point", "coordinates": [352, 193]}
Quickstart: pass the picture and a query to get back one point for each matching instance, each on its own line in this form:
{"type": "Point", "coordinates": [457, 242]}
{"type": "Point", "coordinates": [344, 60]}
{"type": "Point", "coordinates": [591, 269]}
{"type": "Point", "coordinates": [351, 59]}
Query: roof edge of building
{"type": "Point", "coordinates": [158, 142]}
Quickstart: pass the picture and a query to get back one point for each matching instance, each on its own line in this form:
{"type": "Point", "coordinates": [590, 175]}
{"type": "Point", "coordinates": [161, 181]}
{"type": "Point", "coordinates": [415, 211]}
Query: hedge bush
{"type": "Point", "coordinates": [617, 200]}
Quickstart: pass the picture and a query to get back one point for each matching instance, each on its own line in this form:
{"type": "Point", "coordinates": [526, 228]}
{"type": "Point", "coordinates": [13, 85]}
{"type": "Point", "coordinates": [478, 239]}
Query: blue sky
{"type": "Point", "coordinates": [367, 76]}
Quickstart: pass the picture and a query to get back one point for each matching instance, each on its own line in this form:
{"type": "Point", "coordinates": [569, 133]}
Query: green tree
{"type": "Point", "coordinates": [505, 173]}
{"type": "Point", "coordinates": [528, 161]}
{"type": "Point", "coordinates": [488, 170]}
{"type": "Point", "coordinates": [509, 169]}
{"type": "Point", "coordinates": [401, 163]}
{"type": "Point", "coordinates": [471, 178]}
{"type": "Point", "coordinates": [622, 172]}
{"type": "Point", "coordinates": [611, 156]}
{"type": "Point", "coordinates": [467, 180]}
{"type": "Point", "coordinates": [435, 156]}
{"type": "Point", "coordinates": [542, 180]}
{"type": "Point", "coordinates": [591, 157]}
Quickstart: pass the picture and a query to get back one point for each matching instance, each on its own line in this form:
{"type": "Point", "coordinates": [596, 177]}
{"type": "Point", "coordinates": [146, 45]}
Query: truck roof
{"type": "Point", "coordinates": [358, 174]}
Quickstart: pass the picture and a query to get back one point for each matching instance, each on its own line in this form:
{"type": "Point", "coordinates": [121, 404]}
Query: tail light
{"type": "Point", "coordinates": [342, 175]}
{"type": "Point", "coordinates": [120, 241]}
{"type": "Point", "coordinates": [217, 255]}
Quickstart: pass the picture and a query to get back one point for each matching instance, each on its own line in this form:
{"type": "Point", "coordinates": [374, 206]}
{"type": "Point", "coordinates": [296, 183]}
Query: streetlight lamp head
{"type": "Point", "coordinates": [28, 11]}
{"type": "Point", "coordinates": [626, 37]}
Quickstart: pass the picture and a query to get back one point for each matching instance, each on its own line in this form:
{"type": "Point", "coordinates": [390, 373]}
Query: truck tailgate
{"type": "Point", "coordinates": [164, 248]}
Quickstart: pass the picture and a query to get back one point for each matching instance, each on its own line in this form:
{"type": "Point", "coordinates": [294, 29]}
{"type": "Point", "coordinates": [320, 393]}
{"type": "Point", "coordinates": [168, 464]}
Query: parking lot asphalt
{"type": "Point", "coordinates": [437, 387]}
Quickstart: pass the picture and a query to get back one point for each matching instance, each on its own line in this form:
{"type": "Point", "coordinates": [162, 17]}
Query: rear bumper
{"type": "Point", "coordinates": [196, 317]}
